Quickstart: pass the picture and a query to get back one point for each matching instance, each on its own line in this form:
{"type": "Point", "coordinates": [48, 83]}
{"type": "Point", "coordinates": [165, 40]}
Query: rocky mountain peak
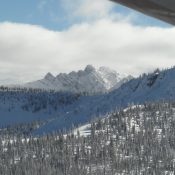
{"type": "Point", "coordinates": [49, 76]}
{"type": "Point", "coordinates": [90, 80]}
{"type": "Point", "coordinates": [89, 68]}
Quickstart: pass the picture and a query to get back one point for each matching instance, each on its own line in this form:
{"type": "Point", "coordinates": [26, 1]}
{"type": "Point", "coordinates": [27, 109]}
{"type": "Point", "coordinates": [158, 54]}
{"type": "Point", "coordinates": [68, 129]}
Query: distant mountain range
{"type": "Point", "coordinates": [90, 80]}
{"type": "Point", "coordinates": [65, 109]}
{"type": "Point", "coordinates": [156, 86]}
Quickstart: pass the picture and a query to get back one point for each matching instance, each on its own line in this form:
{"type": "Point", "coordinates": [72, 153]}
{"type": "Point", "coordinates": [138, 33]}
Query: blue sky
{"type": "Point", "coordinates": [40, 36]}
{"type": "Point", "coordinates": [52, 14]}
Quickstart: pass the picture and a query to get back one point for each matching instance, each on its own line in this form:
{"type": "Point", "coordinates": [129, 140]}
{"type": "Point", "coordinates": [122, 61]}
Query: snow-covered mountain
{"type": "Point", "coordinates": [66, 109]}
{"type": "Point", "coordinates": [138, 140]}
{"type": "Point", "coordinates": [156, 86]}
{"type": "Point", "coordinates": [90, 80]}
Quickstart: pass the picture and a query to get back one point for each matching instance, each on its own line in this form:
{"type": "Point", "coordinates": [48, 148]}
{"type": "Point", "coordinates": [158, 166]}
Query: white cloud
{"type": "Point", "coordinates": [28, 52]}
{"type": "Point", "coordinates": [87, 9]}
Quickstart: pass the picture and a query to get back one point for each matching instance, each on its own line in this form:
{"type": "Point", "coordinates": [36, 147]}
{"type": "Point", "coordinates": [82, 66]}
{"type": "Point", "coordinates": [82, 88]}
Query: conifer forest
{"type": "Point", "coordinates": [139, 140]}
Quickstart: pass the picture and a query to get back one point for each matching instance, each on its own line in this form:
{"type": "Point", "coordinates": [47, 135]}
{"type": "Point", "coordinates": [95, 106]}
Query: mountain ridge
{"type": "Point", "coordinates": [90, 80]}
{"type": "Point", "coordinates": [67, 109]}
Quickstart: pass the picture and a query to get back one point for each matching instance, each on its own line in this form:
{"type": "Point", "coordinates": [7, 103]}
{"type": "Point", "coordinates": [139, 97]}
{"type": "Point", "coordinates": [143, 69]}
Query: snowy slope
{"type": "Point", "coordinates": [152, 87]}
{"type": "Point", "coordinates": [136, 141]}
{"type": "Point", "coordinates": [68, 109]}
{"type": "Point", "coordinates": [142, 132]}
{"type": "Point", "coordinates": [89, 80]}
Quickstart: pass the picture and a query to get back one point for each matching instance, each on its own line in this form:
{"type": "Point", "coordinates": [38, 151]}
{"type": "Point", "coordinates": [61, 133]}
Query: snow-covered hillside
{"type": "Point", "coordinates": [139, 140]}
{"type": "Point", "coordinates": [152, 87]}
{"type": "Point", "coordinates": [136, 141]}
{"type": "Point", "coordinates": [89, 80]}
{"type": "Point", "coordinates": [66, 109]}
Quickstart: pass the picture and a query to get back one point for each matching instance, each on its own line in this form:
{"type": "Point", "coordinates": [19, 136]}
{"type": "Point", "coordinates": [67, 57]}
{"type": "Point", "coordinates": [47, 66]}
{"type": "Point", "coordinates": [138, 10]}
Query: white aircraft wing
{"type": "Point", "coordinates": [160, 9]}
